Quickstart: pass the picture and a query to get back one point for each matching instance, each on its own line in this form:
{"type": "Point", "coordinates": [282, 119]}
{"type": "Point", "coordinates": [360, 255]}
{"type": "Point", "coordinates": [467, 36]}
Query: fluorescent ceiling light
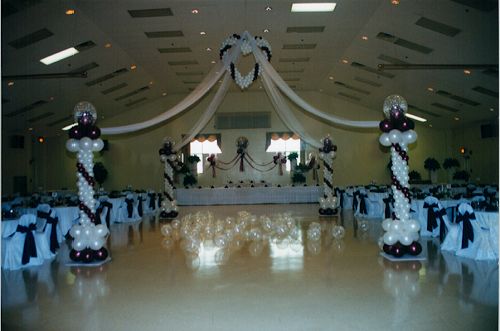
{"type": "Point", "coordinates": [59, 56]}
{"type": "Point", "coordinates": [67, 127]}
{"type": "Point", "coordinates": [416, 118]}
{"type": "Point", "coordinates": [313, 7]}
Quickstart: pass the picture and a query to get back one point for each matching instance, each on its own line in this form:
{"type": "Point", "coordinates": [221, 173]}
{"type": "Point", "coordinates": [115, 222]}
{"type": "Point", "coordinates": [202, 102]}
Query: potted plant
{"type": "Point", "coordinates": [449, 164]}
{"type": "Point", "coordinates": [292, 157]}
{"type": "Point", "coordinates": [189, 180]}
{"type": "Point", "coordinates": [298, 177]}
{"type": "Point", "coordinates": [461, 176]}
{"type": "Point", "coordinates": [414, 176]}
{"type": "Point", "coordinates": [100, 173]}
{"type": "Point", "coordinates": [193, 160]}
{"type": "Point", "coordinates": [432, 165]}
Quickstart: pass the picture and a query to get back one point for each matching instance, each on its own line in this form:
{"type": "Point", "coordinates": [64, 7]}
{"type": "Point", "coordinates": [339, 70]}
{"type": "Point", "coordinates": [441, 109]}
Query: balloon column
{"type": "Point", "coordinates": [88, 238]}
{"type": "Point", "coordinates": [169, 158]}
{"type": "Point", "coordinates": [397, 132]}
{"type": "Point", "coordinates": [328, 203]}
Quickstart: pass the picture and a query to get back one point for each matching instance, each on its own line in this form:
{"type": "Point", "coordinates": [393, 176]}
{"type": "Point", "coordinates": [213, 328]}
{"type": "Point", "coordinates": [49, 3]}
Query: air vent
{"type": "Point", "coordinates": [183, 63]}
{"type": "Point", "coordinates": [106, 77]}
{"type": "Point", "coordinates": [84, 68]}
{"type": "Point", "coordinates": [482, 5]}
{"type": "Point", "coordinates": [156, 12]}
{"type": "Point", "coordinates": [371, 70]}
{"type": "Point", "coordinates": [367, 82]}
{"type": "Point", "coordinates": [348, 96]}
{"type": "Point", "coordinates": [61, 120]}
{"type": "Point", "coordinates": [351, 88]}
{"type": "Point", "coordinates": [31, 38]}
{"type": "Point", "coordinates": [491, 72]}
{"type": "Point", "coordinates": [134, 92]}
{"type": "Point", "coordinates": [489, 131]}
{"type": "Point", "coordinates": [457, 98]}
{"type": "Point", "coordinates": [404, 43]}
{"type": "Point", "coordinates": [164, 34]}
{"type": "Point", "coordinates": [246, 120]}
{"type": "Point", "coordinates": [445, 107]}
{"type": "Point", "coordinates": [305, 29]}
{"type": "Point", "coordinates": [85, 46]}
{"type": "Point", "coordinates": [40, 117]}
{"type": "Point", "coordinates": [299, 46]}
{"type": "Point", "coordinates": [27, 108]}
{"type": "Point", "coordinates": [175, 50]}
{"type": "Point", "coordinates": [438, 27]}
{"type": "Point", "coordinates": [291, 71]}
{"type": "Point", "coordinates": [295, 59]}
{"type": "Point", "coordinates": [485, 91]}
{"type": "Point", "coordinates": [114, 88]}
{"type": "Point", "coordinates": [391, 59]}
{"type": "Point", "coordinates": [131, 103]}
{"type": "Point", "coordinates": [189, 73]}
{"type": "Point", "coordinates": [14, 6]}
{"type": "Point", "coordinates": [423, 111]}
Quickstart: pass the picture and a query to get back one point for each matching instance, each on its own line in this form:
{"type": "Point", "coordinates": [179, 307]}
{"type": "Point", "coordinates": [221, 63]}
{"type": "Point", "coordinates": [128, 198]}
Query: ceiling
{"type": "Point", "coordinates": [333, 53]}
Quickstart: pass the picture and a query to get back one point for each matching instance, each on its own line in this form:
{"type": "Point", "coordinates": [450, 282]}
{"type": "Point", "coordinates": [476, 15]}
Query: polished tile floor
{"type": "Point", "coordinates": [334, 285]}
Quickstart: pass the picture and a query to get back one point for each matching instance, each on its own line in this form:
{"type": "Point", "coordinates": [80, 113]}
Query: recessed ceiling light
{"type": "Point", "coordinates": [430, 89]}
{"type": "Point", "coordinates": [395, 2]}
{"type": "Point", "coordinates": [195, 11]}
{"type": "Point", "coordinates": [203, 33]}
{"type": "Point", "coordinates": [70, 12]}
{"type": "Point", "coordinates": [151, 83]}
{"type": "Point", "coordinates": [41, 139]}
{"type": "Point", "coordinates": [430, 125]}
{"type": "Point", "coordinates": [467, 72]}
{"type": "Point", "coordinates": [11, 83]}
{"type": "Point", "coordinates": [491, 109]}
{"type": "Point", "coordinates": [330, 78]}
{"type": "Point", "coordinates": [456, 118]}
{"type": "Point", "coordinates": [133, 67]}
{"type": "Point", "coordinates": [213, 62]}
{"type": "Point", "coordinates": [269, 8]}
{"type": "Point", "coordinates": [59, 56]}
{"type": "Point", "coordinates": [266, 30]}
{"type": "Point", "coordinates": [313, 7]}
{"type": "Point", "coordinates": [30, 129]}
{"type": "Point", "coordinates": [416, 118]}
{"type": "Point", "coordinates": [364, 38]}
{"type": "Point", "coordinates": [209, 49]}
{"type": "Point", "coordinates": [108, 45]}
{"type": "Point", "coordinates": [51, 98]}
{"type": "Point", "coordinates": [345, 61]}
{"type": "Point", "coordinates": [67, 127]}
{"type": "Point", "coordinates": [164, 93]}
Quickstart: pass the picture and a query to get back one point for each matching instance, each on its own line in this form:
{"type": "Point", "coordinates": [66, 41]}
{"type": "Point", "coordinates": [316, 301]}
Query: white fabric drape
{"type": "Point", "coordinates": [208, 82]}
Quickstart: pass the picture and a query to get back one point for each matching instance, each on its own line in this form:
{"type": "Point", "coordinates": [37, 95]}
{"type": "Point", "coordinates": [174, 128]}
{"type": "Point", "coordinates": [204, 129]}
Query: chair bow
{"type": "Point", "coordinates": [29, 248]}
{"type": "Point", "coordinates": [355, 200]}
{"type": "Point", "coordinates": [130, 207]}
{"type": "Point", "coordinates": [159, 200]}
{"type": "Point", "coordinates": [340, 194]}
{"type": "Point", "coordinates": [468, 231]}
{"type": "Point", "coordinates": [388, 202]}
{"type": "Point", "coordinates": [152, 200]}
{"type": "Point", "coordinates": [139, 207]}
{"type": "Point", "coordinates": [54, 243]}
{"type": "Point", "coordinates": [99, 210]}
{"type": "Point", "coordinates": [362, 203]}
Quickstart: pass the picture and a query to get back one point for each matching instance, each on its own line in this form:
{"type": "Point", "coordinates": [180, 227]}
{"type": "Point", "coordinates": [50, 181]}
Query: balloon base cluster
{"type": "Point", "coordinates": [171, 214]}
{"type": "Point", "coordinates": [398, 249]}
{"type": "Point", "coordinates": [328, 211]}
{"type": "Point", "coordinates": [89, 255]}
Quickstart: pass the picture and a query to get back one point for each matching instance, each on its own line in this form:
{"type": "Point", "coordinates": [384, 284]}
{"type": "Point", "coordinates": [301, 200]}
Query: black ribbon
{"type": "Point", "coordinates": [159, 200]}
{"type": "Point", "coordinates": [431, 216]}
{"type": "Point", "coordinates": [387, 209]}
{"type": "Point", "coordinates": [468, 231]}
{"type": "Point", "coordinates": [340, 195]}
{"type": "Point", "coordinates": [29, 249]}
{"type": "Point", "coordinates": [139, 208]}
{"type": "Point", "coordinates": [54, 244]}
{"type": "Point", "coordinates": [108, 212]}
{"type": "Point", "coordinates": [355, 200]}
{"type": "Point", "coordinates": [130, 207]}
{"type": "Point", "coordinates": [362, 203]}
{"type": "Point", "coordinates": [152, 201]}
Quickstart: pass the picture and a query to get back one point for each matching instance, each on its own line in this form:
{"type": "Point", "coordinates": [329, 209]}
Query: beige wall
{"type": "Point", "coordinates": [133, 159]}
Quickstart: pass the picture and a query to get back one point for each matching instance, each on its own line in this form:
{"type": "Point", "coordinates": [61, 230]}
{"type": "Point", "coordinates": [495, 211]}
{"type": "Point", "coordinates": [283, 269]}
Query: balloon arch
{"type": "Point", "coordinates": [401, 232]}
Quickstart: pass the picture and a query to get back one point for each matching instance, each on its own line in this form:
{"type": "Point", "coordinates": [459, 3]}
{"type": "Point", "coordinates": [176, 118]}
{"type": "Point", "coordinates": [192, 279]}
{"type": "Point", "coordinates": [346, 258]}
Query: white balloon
{"type": "Point", "coordinates": [101, 230]}
{"type": "Point", "coordinates": [395, 136]}
{"type": "Point", "coordinates": [410, 136]}
{"type": "Point", "coordinates": [406, 239]}
{"type": "Point", "coordinates": [96, 243]}
{"type": "Point", "coordinates": [386, 224]}
{"type": "Point", "coordinates": [413, 226]}
{"type": "Point", "coordinates": [75, 231]}
{"type": "Point", "coordinates": [97, 145]}
{"type": "Point", "coordinates": [72, 145]}
{"type": "Point", "coordinates": [78, 245]}
{"type": "Point", "coordinates": [389, 238]}
{"type": "Point", "coordinates": [396, 226]}
{"type": "Point", "coordinates": [384, 139]}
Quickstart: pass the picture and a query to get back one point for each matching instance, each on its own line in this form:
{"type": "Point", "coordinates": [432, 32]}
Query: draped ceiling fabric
{"type": "Point", "coordinates": [273, 84]}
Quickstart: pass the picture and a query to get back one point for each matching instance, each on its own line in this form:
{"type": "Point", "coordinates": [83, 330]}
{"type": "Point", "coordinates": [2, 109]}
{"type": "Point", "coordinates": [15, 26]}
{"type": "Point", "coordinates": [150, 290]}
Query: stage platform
{"type": "Point", "coordinates": [248, 195]}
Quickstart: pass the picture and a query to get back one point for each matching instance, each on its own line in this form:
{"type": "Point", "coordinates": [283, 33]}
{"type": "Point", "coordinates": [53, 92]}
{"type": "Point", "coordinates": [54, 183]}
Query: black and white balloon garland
{"type": "Point", "coordinates": [88, 238]}
{"type": "Point", "coordinates": [169, 207]}
{"type": "Point", "coordinates": [401, 232]}
{"type": "Point", "coordinates": [244, 81]}
{"type": "Point", "coordinates": [328, 203]}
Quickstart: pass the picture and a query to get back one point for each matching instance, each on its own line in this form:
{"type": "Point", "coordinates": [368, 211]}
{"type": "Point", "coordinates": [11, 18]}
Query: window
{"type": "Point", "coordinates": [203, 147]}
{"type": "Point", "coordinates": [285, 143]}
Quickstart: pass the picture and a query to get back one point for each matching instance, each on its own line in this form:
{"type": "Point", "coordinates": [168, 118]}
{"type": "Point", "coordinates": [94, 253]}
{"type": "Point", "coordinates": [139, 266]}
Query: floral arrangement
{"type": "Point", "coordinates": [431, 164]}
{"type": "Point", "coordinates": [450, 163]}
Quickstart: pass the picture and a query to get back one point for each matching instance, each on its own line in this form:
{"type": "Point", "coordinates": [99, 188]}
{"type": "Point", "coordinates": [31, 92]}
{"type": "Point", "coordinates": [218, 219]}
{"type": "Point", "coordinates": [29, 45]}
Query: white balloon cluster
{"type": "Point", "coordinates": [245, 47]}
{"type": "Point", "coordinates": [245, 81]}
{"type": "Point", "coordinates": [329, 202]}
{"type": "Point", "coordinates": [314, 231]}
{"type": "Point", "coordinates": [397, 137]}
{"type": "Point", "coordinates": [169, 204]}
{"type": "Point", "coordinates": [89, 236]}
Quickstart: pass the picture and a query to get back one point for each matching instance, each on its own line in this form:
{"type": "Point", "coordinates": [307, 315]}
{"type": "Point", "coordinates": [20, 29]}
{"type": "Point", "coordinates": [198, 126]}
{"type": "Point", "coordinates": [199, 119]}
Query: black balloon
{"type": "Point", "coordinates": [387, 249]}
{"type": "Point", "coordinates": [411, 124]}
{"type": "Point", "coordinates": [75, 255]}
{"type": "Point", "coordinates": [161, 151]}
{"type": "Point", "coordinates": [101, 254]}
{"type": "Point", "coordinates": [398, 250]}
{"type": "Point", "coordinates": [415, 248]}
{"type": "Point", "coordinates": [385, 126]}
{"type": "Point", "coordinates": [87, 256]}
{"type": "Point", "coordinates": [94, 132]}
{"type": "Point", "coordinates": [76, 132]}
{"type": "Point", "coordinates": [404, 125]}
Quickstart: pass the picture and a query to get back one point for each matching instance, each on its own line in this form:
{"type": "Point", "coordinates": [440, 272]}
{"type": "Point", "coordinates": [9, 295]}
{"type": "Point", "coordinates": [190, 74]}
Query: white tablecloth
{"type": "Point", "coordinates": [489, 221]}
{"type": "Point", "coordinates": [248, 195]}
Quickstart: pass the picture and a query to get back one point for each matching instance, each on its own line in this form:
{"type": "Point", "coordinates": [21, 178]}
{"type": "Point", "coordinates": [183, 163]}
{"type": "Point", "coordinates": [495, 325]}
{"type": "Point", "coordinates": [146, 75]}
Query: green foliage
{"type": "Point", "coordinates": [461, 175]}
{"type": "Point", "coordinates": [293, 156]}
{"type": "Point", "coordinates": [450, 163]}
{"type": "Point", "coordinates": [189, 180]}
{"type": "Point", "coordinates": [431, 164]}
{"type": "Point", "coordinates": [414, 175]}
{"type": "Point", "coordinates": [302, 168]}
{"type": "Point", "coordinates": [100, 173]}
{"type": "Point", "coordinates": [298, 177]}
{"type": "Point", "coordinates": [182, 168]}
{"type": "Point", "coordinates": [193, 159]}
